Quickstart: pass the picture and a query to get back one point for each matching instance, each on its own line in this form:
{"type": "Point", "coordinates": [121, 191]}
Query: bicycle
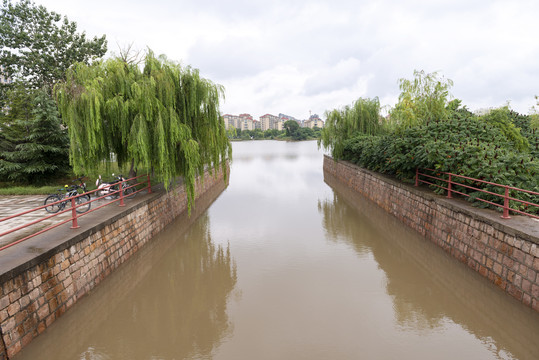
{"type": "Point", "coordinates": [82, 202]}
{"type": "Point", "coordinates": [112, 189]}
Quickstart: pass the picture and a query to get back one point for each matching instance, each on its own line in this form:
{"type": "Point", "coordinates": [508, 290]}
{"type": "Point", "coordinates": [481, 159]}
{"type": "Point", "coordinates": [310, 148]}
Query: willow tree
{"type": "Point", "coordinates": [363, 117]}
{"type": "Point", "coordinates": [164, 117]}
{"type": "Point", "coordinates": [422, 99]}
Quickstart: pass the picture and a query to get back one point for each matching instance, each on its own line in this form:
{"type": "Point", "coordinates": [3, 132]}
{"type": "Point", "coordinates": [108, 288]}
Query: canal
{"type": "Point", "coordinates": [285, 265]}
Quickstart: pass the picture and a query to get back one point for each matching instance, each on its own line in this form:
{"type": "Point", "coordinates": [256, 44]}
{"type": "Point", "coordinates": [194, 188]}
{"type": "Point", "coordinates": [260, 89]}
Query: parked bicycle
{"type": "Point", "coordinates": [55, 203]}
{"type": "Point", "coordinates": [112, 188]}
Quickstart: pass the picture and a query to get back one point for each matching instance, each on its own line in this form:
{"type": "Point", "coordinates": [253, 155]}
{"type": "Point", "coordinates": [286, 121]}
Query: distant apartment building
{"type": "Point", "coordinates": [313, 121]}
{"type": "Point", "coordinates": [246, 122]}
{"type": "Point", "coordinates": [269, 121]}
{"type": "Point", "coordinates": [242, 121]}
{"type": "Point", "coordinates": [231, 121]}
{"type": "Point", "coordinates": [286, 118]}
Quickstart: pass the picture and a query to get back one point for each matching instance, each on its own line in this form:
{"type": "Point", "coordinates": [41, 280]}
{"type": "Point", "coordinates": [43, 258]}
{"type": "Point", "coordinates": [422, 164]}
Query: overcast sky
{"type": "Point", "coordinates": [297, 56]}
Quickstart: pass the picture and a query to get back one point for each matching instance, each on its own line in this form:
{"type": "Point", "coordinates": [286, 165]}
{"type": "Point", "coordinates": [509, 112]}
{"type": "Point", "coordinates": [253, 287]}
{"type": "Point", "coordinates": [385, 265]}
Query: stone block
{"type": "Point", "coordinates": [535, 291]}
{"type": "Point", "coordinates": [4, 302]}
{"type": "Point", "coordinates": [526, 246]}
{"type": "Point", "coordinates": [497, 268]}
{"type": "Point", "coordinates": [14, 295]}
{"type": "Point", "coordinates": [518, 255]}
{"type": "Point", "coordinates": [41, 327]}
{"type": "Point", "coordinates": [514, 291]}
{"type": "Point", "coordinates": [14, 349]}
{"type": "Point", "coordinates": [24, 301]}
{"type": "Point", "coordinates": [8, 325]}
{"type": "Point", "coordinates": [526, 286]}
{"type": "Point", "coordinates": [13, 308]}
{"type": "Point", "coordinates": [3, 315]}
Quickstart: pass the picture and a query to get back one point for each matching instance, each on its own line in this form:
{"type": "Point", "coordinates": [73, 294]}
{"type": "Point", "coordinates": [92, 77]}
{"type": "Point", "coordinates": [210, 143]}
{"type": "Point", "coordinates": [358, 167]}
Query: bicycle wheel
{"type": "Point", "coordinates": [83, 203]}
{"type": "Point", "coordinates": [129, 192]}
{"type": "Point", "coordinates": [55, 207]}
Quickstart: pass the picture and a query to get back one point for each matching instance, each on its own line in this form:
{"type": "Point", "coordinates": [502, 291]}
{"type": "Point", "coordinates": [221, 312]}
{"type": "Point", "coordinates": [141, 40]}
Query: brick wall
{"type": "Point", "coordinates": [502, 251]}
{"type": "Point", "coordinates": [32, 297]}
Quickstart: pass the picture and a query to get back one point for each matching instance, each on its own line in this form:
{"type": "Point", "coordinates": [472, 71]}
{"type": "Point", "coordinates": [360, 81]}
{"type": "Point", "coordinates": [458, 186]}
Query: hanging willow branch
{"type": "Point", "coordinates": [363, 117]}
{"type": "Point", "coordinates": [164, 118]}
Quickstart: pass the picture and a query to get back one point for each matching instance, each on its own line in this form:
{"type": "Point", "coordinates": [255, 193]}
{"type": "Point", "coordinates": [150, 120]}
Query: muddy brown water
{"type": "Point", "coordinates": [287, 265]}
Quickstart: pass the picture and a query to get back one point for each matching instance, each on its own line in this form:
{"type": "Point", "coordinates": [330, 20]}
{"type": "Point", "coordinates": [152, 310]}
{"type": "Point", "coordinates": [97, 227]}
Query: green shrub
{"type": "Point", "coordinates": [483, 148]}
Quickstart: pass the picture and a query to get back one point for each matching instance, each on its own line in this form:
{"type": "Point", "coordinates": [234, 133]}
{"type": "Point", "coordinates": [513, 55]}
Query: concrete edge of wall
{"type": "Point", "coordinates": [36, 292]}
{"type": "Point", "coordinates": [504, 252]}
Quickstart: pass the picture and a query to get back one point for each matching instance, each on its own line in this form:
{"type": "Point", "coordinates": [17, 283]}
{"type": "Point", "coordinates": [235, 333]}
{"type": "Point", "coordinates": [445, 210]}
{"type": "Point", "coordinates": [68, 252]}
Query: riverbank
{"type": "Point", "coordinates": [43, 277]}
{"type": "Point", "coordinates": [506, 252]}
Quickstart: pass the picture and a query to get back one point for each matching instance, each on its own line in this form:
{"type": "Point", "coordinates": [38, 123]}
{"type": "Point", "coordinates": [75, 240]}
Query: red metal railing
{"type": "Point", "coordinates": [74, 215]}
{"type": "Point", "coordinates": [451, 183]}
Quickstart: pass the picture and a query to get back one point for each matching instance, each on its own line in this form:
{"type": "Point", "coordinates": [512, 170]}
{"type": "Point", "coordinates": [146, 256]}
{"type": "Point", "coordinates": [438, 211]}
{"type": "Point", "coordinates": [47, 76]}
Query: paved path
{"type": "Point", "coordinates": [11, 205]}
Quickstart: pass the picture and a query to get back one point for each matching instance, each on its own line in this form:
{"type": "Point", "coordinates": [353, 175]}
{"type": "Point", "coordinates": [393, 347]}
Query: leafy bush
{"type": "Point", "coordinates": [490, 148]}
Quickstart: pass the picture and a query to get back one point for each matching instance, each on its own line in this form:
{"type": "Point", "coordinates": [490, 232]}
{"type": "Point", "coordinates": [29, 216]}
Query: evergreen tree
{"type": "Point", "coordinates": [35, 146]}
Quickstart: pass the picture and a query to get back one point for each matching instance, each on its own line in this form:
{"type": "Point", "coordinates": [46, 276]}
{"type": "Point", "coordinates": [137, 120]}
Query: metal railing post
{"type": "Point", "coordinates": [149, 185]}
{"type": "Point", "coordinates": [74, 224]}
{"type": "Point", "coordinates": [506, 204]}
{"type": "Point", "coordinates": [121, 193]}
{"type": "Point", "coordinates": [416, 177]}
{"type": "Point", "coordinates": [449, 196]}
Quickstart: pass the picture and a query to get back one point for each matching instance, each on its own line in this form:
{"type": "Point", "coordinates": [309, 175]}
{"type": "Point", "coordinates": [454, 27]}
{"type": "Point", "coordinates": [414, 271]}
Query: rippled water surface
{"type": "Point", "coordinates": [285, 265]}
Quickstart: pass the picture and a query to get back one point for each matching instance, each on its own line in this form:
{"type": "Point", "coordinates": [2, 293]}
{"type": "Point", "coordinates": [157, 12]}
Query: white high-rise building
{"type": "Point", "coordinates": [269, 121]}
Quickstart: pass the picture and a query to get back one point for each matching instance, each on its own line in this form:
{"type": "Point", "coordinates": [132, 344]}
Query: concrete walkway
{"type": "Point", "coordinates": [11, 205]}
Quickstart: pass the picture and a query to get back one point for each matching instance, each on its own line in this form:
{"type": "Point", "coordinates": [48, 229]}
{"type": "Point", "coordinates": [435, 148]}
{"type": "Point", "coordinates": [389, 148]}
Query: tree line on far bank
{"type": "Point", "coordinates": [292, 131]}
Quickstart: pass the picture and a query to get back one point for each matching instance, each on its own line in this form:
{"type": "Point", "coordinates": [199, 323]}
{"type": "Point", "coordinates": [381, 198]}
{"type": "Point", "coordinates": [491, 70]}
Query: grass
{"type": "Point", "coordinates": [28, 190]}
{"type": "Point", "coordinates": [7, 188]}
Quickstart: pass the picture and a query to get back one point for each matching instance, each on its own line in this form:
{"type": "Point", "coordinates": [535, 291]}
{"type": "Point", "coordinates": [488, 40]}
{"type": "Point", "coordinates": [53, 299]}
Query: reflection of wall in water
{"type": "Point", "coordinates": [505, 253]}
{"type": "Point", "coordinates": [155, 294]}
{"type": "Point", "coordinates": [427, 285]}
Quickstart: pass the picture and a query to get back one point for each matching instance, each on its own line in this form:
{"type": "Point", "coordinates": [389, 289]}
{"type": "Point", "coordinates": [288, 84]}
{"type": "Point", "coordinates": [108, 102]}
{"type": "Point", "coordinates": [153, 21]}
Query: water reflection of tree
{"type": "Point", "coordinates": [342, 223]}
{"type": "Point", "coordinates": [339, 226]}
{"type": "Point", "coordinates": [183, 314]}
{"type": "Point", "coordinates": [167, 302]}
{"type": "Point", "coordinates": [427, 287]}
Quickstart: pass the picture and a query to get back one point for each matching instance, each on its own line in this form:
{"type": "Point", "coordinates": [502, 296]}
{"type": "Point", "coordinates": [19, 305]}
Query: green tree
{"type": "Point", "coordinates": [38, 46]}
{"type": "Point", "coordinates": [36, 146]}
{"type": "Point", "coordinates": [305, 133]}
{"type": "Point", "coordinates": [422, 99]}
{"type": "Point", "coordinates": [363, 117]}
{"type": "Point", "coordinates": [165, 117]}
{"type": "Point", "coordinates": [12, 130]}
{"type": "Point", "coordinates": [500, 118]}
{"type": "Point", "coordinates": [271, 133]}
{"type": "Point", "coordinates": [291, 127]}
{"type": "Point", "coordinates": [534, 114]}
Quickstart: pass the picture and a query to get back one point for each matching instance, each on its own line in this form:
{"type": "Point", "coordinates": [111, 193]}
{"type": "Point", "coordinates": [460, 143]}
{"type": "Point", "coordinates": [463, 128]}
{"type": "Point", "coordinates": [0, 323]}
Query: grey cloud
{"type": "Point", "coordinates": [344, 74]}
{"type": "Point", "coordinates": [232, 58]}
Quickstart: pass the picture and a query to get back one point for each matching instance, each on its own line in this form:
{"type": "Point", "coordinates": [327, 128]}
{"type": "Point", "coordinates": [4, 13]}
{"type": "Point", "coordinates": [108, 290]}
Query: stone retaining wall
{"type": "Point", "coordinates": [501, 252]}
{"type": "Point", "coordinates": [35, 294]}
